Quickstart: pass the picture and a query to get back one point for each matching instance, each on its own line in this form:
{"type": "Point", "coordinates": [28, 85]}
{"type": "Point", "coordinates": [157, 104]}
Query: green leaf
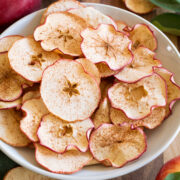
{"type": "Point", "coordinates": [173, 176]}
{"type": "Point", "coordinates": [173, 5]}
{"type": "Point", "coordinates": [168, 22]}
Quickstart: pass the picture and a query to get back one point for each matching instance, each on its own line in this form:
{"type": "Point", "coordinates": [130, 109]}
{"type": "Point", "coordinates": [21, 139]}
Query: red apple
{"type": "Point", "coordinates": [11, 10]}
{"type": "Point", "coordinates": [171, 166]}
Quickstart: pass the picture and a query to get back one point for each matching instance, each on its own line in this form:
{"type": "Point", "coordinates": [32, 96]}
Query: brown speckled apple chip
{"type": "Point", "coordinates": [60, 136]}
{"type": "Point", "coordinates": [117, 145]}
{"type": "Point", "coordinates": [20, 173]}
{"type": "Point", "coordinates": [9, 128]}
{"type": "Point", "coordinates": [142, 35]}
{"type": "Point", "coordinates": [7, 42]}
{"type": "Point", "coordinates": [141, 66]}
{"type": "Point", "coordinates": [29, 60]}
{"type": "Point", "coordinates": [93, 17]}
{"type": "Point", "coordinates": [60, 5]}
{"type": "Point", "coordinates": [105, 44]}
{"type": "Point", "coordinates": [67, 163]}
{"type": "Point", "coordinates": [152, 121]}
{"type": "Point", "coordinates": [138, 99]}
{"type": "Point", "coordinates": [12, 104]}
{"type": "Point", "coordinates": [90, 68]}
{"type": "Point", "coordinates": [139, 6]}
{"type": "Point", "coordinates": [34, 109]}
{"type": "Point", "coordinates": [11, 84]}
{"type": "Point", "coordinates": [61, 31]}
{"type": "Point", "coordinates": [68, 91]}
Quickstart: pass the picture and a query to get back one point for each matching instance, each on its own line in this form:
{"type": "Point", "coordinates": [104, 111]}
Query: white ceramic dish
{"type": "Point", "coordinates": [158, 139]}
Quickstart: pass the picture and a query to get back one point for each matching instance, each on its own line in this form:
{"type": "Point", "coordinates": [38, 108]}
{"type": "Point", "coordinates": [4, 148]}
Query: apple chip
{"type": "Point", "coordinates": [93, 17]}
{"type": "Point", "coordinates": [7, 42]}
{"type": "Point", "coordinates": [117, 145]}
{"type": "Point", "coordinates": [60, 5]}
{"type": "Point", "coordinates": [29, 60]}
{"type": "Point", "coordinates": [173, 90]}
{"type": "Point", "coordinates": [142, 35]}
{"type": "Point", "coordinates": [121, 25]}
{"type": "Point", "coordinates": [12, 104]}
{"type": "Point", "coordinates": [141, 66]}
{"type": "Point", "coordinates": [138, 99]}
{"type": "Point", "coordinates": [60, 136]}
{"type": "Point", "coordinates": [68, 91]}
{"type": "Point", "coordinates": [90, 68]}
{"type": "Point", "coordinates": [20, 173]}
{"type": "Point", "coordinates": [152, 121]}
{"type": "Point", "coordinates": [30, 95]}
{"type": "Point", "coordinates": [102, 113]}
{"type": "Point", "coordinates": [139, 6]}
{"type": "Point", "coordinates": [67, 163]}
{"type": "Point", "coordinates": [104, 70]}
{"type": "Point", "coordinates": [105, 44]}
{"type": "Point", "coordinates": [10, 131]}
{"type": "Point", "coordinates": [34, 109]}
{"type": "Point", "coordinates": [61, 31]}
{"type": "Point", "coordinates": [11, 84]}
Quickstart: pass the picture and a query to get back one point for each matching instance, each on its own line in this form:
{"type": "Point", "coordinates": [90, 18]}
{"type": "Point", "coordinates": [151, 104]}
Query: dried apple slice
{"type": "Point", "coordinates": [12, 104]}
{"type": "Point", "coordinates": [138, 99]}
{"type": "Point", "coordinates": [60, 136]}
{"type": "Point", "coordinates": [117, 145]}
{"type": "Point", "coordinates": [105, 44]}
{"type": "Point", "coordinates": [142, 35]}
{"type": "Point", "coordinates": [93, 17]}
{"type": "Point", "coordinates": [102, 113]}
{"type": "Point", "coordinates": [30, 95]}
{"type": "Point", "coordinates": [173, 90]}
{"type": "Point", "coordinates": [121, 25]}
{"type": "Point", "coordinates": [139, 6]}
{"type": "Point", "coordinates": [68, 91]}
{"type": "Point", "coordinates": [7, 42]}
{"type": "Point", "coordinates": [29, 60]}
{"type": "Point", "coordinates": [61, 31]}
{"type": "Point", "coordinates": [20, 173]}
{"type": "Point", "coordinates": [141, 66]}
{"type": "Point", "coordinates": [67, 163]}
{"type": "Point", "coordinates": [11, 84]}
{"type": "Point", "coordinates": [60, 5]}
{"type": "Point", "coordinates": [90, 68]}
{"type": "Point", "coordinates": [34, 109]}
{"type": "Point", "coordinates": [10, 131]}
{"type": "Point", "coordinates": [152, 121]}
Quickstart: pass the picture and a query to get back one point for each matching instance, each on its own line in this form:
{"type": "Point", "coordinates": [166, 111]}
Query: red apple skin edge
{"type": "Point", "coordinates": [11, 10]}
{"type": "Point", "coordinates": [171, 166]}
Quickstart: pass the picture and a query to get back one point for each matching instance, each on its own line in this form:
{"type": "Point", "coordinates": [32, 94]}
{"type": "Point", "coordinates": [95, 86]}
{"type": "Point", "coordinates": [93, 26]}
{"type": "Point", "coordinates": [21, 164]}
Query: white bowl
{"type": "Point", "coordinates": [158, 140]}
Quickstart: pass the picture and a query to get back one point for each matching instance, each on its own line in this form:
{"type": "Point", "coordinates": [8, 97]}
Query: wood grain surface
{"type": "Point", "coordinates": [150, 171]}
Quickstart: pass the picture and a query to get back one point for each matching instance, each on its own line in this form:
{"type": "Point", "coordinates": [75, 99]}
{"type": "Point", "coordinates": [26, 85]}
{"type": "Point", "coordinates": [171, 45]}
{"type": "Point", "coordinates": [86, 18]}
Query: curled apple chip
{"type": "Point", "coordinates": [67, 163]}
{"type": "Point", "coordinates": [141, 66]}
{"type": "Point", "coordinates": [7, 42]}
{"type": "Point", "coordinates": [102, 113]}
{"type": "Point", "coordinates": [90, 68]}
{"type": "Point", "coordinates": [29, 60]}
{"type": "Point", "coordinates": [10, 131]}
{"type": "Point", "coordinates": [12, 104]}
{"type": "Point", "coordinates": [152, 121]}
{"type": "Point", "coordinates": [105, 44]}
{"type": "Point", "coordinates": [20, 173]}
{"type": "Point", "coordinates": [139, 6]}
{"type": "Point", "coordinates": [117, 145]}
{"type": "Point", "coordinates": [11, 84]}
{"type": "Point", "coordinates": [138, 99]}
{"type": "Point", "coordinates": [68, 91]}
{"type": "Point", "coordinates": [92, 16]}
{"type": "Point", "coordinates": [34, 109]}
{"type": "Point", "coordinates": [61, 31]}
{"type": "Point", "coordinates": [60, 136]}
{"type": "Point", "coordinates": [142, 35]}
{"type": "Point", "coordinates": [60, 5]}
{"type": "Point", "coordinates": [30, 95]}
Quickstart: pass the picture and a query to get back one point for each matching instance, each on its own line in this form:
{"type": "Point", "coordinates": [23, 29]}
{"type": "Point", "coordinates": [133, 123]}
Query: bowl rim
{"type": "Point", "coordinates": [115, 171]}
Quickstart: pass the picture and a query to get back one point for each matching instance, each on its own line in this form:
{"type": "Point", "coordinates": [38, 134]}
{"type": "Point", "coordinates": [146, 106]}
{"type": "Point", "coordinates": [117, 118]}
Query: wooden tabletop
{"type": "Point", "coordinates": [150, 171]}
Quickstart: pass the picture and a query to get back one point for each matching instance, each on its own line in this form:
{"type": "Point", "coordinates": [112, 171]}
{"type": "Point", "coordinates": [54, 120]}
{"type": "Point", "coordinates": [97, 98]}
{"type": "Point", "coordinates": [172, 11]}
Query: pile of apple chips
{"type": "Point", "coordinates": [82, 88]}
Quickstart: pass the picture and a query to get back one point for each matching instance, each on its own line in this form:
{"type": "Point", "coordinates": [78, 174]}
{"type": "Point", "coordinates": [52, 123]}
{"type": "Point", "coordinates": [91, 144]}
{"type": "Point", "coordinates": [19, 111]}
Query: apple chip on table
{"type": "Point", "coordinates": [97, 82]}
